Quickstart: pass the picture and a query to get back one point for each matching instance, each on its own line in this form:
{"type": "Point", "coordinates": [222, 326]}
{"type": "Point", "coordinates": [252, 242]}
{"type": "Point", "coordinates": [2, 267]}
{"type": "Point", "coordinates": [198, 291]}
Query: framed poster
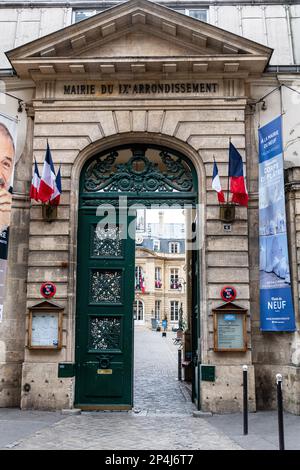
{"type": "Point", "coordinates": [230, 328]}
{"type": "Point", "coordinates": [45, 327]}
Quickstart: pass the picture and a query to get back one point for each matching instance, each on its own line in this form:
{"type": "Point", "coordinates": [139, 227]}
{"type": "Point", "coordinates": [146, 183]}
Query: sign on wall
{"type": "Point", "coordinates": [48, 289]}
{"type": "Point", "coordinates": [230, 328]}
{"type": "Point", "coordinates": [45, 326]}
{"type": "Point", "coordinates": [7, 156]}
{"type": "Point", "coordinates": [150, 88]}
{"type": "Point", "coordinates": [228, 293]}
{"type": "Point", "coordinates": [276, 304]}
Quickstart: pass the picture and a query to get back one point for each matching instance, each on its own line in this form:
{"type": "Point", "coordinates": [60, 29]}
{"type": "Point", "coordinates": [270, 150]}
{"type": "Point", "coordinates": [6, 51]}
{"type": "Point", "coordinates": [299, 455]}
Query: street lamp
{"type": "Point", "coordinates": [180, 322]}
{"type": "Point", "coordinates": [181, 288]}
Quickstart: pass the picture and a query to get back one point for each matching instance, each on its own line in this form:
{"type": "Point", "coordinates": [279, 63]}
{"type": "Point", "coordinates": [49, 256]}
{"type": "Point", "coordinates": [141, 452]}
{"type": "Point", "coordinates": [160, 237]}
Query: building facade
{"type": "Point", "coordinates": [160, 288]}
{"type": "Point", "coordinates": [155, 86]}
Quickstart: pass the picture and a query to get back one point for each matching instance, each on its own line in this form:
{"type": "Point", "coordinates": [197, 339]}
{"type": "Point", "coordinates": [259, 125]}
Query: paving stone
{"type": "Point", "coordinates": [71, 411]}
{"type": "Point", "coordinates": [161, 419]}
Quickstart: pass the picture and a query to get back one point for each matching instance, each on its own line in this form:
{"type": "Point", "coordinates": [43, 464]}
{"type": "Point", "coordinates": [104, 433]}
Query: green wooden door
{"type": "Point", "coordinates": [104, 324]}
{"type": "Point", "coordinates": [195, 317]}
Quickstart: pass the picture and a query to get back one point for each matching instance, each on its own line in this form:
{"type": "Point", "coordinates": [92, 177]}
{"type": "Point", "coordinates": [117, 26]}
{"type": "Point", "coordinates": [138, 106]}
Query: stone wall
{"type": "Point", "coordinates": [76, 130]}
{"type": "Point", "coordinates": [225, 395]}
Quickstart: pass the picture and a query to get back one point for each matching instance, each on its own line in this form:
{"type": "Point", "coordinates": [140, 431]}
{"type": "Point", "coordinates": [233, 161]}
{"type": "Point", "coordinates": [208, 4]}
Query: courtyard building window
{"type": "Point", "coordinates": [174, 310]}
{"type": "Point", "coordinates": [157, 309]}
{"type": "Point", "coordinates": [174, 278]}
{"type": "Point", "coordinates": [138, 310]}
{"type": "Point", "coordinates": [139, 279]}
{"type": "Point", "coordinates": [158, 283]}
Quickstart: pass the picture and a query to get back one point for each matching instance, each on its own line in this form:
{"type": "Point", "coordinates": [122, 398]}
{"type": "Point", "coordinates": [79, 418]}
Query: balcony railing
{"type": "Point", "coordinates": [175, 285]}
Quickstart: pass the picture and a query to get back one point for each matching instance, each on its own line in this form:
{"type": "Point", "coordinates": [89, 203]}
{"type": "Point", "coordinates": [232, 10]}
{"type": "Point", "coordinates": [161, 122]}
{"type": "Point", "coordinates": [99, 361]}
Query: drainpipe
{"type": "Point", "coordinates": [290, 35]}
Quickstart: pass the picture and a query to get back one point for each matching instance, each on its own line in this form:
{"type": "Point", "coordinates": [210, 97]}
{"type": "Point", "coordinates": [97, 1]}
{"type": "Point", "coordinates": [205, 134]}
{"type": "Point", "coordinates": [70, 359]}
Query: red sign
{"type": "Point", "coordinates": [48, 289]}
{"type": "Point", "coordinates": [228, 293]}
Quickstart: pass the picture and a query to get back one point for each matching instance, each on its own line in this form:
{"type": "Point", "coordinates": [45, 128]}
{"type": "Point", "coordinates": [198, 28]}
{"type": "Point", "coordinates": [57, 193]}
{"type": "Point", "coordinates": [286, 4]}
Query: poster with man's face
{"type": "Point", "coordinates": [7, 156]}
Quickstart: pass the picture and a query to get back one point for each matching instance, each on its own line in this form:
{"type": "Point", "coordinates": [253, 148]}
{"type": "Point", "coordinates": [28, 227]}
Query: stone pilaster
{"type": "Point", "coordinates": [12, 328]}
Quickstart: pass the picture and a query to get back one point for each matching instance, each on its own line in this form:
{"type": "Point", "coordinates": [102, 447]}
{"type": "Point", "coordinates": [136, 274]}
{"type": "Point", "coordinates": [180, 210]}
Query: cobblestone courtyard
{"type": "Point", "coordinates": [161, 419]}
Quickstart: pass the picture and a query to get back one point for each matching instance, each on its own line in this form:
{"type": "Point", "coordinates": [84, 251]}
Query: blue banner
{"type": "Point", "coordinates": [276, 303]}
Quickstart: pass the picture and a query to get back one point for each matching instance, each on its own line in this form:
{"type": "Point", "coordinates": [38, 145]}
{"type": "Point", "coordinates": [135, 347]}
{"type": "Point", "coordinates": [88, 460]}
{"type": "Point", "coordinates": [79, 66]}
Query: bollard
{"type": "Point", "coordinates": [245, 399]}
{"type": "Point", "coordinates": [198, 386]}
{"type": "Point", "coordinates": [280, 411]}
{"type": "Point", "coordinates": [179, 365]}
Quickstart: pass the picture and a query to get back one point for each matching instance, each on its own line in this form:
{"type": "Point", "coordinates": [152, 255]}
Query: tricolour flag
{"type": "Point", "coordinates": [35, 183]}
{"type": "Point", "coordinates": [47, 185]}
{"type": "Point", "coordinates": [216, 185]}
{"type": "Point", "coordinates": [236, 175]}
{"type": "Point", "coordinates": [55, 198]}
{"type": "Point", "coordinates": [142, 284]}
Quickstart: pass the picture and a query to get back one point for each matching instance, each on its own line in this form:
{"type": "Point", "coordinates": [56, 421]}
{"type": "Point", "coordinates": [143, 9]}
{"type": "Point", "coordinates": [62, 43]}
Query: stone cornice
{"type": "Point", "coordinates": [292, 186]}
{"type": "Point", "coordinates": [108, 4]}
{"type": "Point", "coordinates": [76, 68]}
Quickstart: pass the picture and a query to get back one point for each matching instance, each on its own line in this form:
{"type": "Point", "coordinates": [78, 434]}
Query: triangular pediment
{"type": "Point", "coordinates": [144, 34]}
{"type": "Point", "coordinates": [46, 305]}
{"type": "Point", "coordinates": [140, 43]}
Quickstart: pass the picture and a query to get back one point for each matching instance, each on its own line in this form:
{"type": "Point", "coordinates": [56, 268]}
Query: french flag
{"type": "Point", "coordinates": [216, 185]}
{"type": "Point", "coordinates": [236, 175]}
{"type": "Point", "coordinates": [47, 185]}
{"type": "Point", "coordinates": [142, 285]}
{"type": "Point", "coordinates": [35, 183]}
{"type": "Point", "coordinates": [55, 198]}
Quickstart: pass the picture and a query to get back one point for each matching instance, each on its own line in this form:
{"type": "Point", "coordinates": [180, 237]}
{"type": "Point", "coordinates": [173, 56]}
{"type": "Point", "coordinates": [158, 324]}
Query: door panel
{"type": "Point", "coordinates": [104, 385]}
{"type": "Point", "coordinates": [104, 325]}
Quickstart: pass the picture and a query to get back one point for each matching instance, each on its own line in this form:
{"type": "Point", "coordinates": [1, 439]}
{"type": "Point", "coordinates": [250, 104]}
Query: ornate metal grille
{"type": "Point", "coordinates": [105, 333]}
{"type": "Point", "coordinates": [139, 174]}
{"type": "Point", "coordinates": [106, 286]}
{"type": "Point", "coordinates": [106, 241]}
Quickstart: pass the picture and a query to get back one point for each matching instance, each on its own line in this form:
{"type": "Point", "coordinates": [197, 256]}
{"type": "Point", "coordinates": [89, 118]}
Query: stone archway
{"type": "Point", "coordinates": [122, 139]}
{"type": "Point", "coordinates": [140, 172]}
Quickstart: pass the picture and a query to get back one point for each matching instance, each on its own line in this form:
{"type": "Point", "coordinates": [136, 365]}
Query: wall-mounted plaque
{"type": "Point", "coordinates": [45, 326]}
{"type": "Point", "coordinates": [230, 328]}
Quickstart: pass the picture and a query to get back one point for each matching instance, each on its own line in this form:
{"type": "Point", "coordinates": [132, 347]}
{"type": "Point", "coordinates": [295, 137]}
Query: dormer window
{"type": "Point", "coordinates": [156, 245]}
{"type": "Point", "coordinates": [174, 247]}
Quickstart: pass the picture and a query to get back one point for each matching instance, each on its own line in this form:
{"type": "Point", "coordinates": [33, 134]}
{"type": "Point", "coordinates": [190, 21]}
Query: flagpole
{"type": "Point", "coordinates": [228, 171]}
{"type": "Point", "coordinates": [214, 164]}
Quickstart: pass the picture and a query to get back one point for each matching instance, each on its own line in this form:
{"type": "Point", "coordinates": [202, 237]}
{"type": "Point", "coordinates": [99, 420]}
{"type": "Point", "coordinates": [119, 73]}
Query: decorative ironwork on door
{"type": "Point", "coordinates": [169, 174]}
